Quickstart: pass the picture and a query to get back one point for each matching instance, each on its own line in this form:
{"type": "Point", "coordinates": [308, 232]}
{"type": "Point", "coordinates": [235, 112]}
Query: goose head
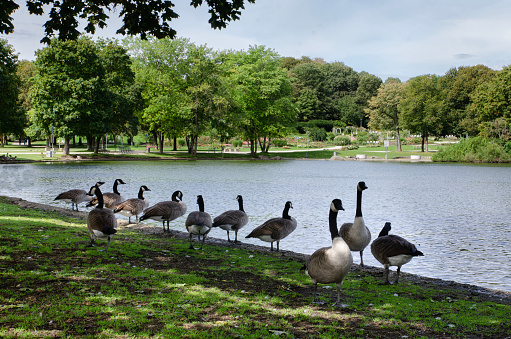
{"type": "Point", "coordinates": [336, 205]}
{"type": "Point", "coordinates": [119, 182]}
{"type": "Point", "coordinates": [361, 186]}
{"type": "Point", "coordinates": [177, 195]}
{"type": "Point", "coordinates": [385, 230]}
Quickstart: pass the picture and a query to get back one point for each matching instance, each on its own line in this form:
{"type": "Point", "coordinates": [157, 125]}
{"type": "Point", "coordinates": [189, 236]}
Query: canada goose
{"type": "Point", "coordinates": [76, 196]}
{"type": "Point", "coordinates": [166, 210]}
{"type": "Point", "coordinates": [232, 220]}
{"type": "Point", "coordinates": [101, 222]}
{"type": "Point", "coordinates": [330, 264]}
{"type": "Point", "coordinates": [110, 200]}
{"type": "Point", "coordinates": [392, 250]}
{"type": "Point", "coordinates": [198, 222]}
{"type": "Point", "coordinates": [356, 234]}
{"type": "Point", "coordinates": [275, 229]}
{"type": "Point", "coordinates": [133, 206]}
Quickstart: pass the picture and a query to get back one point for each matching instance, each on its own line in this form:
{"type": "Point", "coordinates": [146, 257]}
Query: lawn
{"type": "Point", "coordinates": [150, 285]}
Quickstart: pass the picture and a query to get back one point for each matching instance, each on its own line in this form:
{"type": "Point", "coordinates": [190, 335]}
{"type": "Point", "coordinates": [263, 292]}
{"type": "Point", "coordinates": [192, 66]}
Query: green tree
{"type": "Point", "coordinates": [492, 99]}
{"type": "Point", "coordinates": [368, 85]}
{"type": "Point", "coordinates": [262, 95]}
{"type": "Point", "coordinates": [458, 85]}
{"type": "Point", "coordinates": [11, 120]}
{"type": "Point", "coordinates": [383, 108]}
{"type": "Point", "coordinates": [161, 67]}
{"type": "Point", "coordinates": [349, 111]}
{"type": "Point", "coordinates": [421, 107]}
{"type": "Point", "coordinates": [147, 17]}
{"type": "Point", "coordinates": [68, 93]}
{"type": "Point", "coordinates": [120, 82]}
{"type": "Point", "coordinates": [25, 71]}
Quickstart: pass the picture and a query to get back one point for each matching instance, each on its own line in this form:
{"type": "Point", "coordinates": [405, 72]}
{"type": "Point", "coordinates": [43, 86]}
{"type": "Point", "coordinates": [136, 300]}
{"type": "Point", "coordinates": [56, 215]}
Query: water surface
{"type": "Point", "coordinates": [458, 215]}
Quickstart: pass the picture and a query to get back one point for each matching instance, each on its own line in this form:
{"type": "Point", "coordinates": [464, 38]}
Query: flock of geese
{"type": "Point", "coordinates": [325, 266]}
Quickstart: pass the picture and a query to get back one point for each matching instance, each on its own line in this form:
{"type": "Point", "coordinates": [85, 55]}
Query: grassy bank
{"type": "Point", "coordinates": [151, 285]}
{"type": "Point", "coordinates": [38, 153]}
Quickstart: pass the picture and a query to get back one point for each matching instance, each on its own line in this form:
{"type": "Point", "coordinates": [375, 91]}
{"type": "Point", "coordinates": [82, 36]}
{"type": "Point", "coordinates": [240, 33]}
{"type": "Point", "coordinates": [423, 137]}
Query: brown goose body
{"type": "Point", "coordinates": [76, 196]}
{"type": "Point", "coordinates": [393, 250]}
{"type": "Point", "coordinates": [275, 229]}
{"type": "Point", "coordinates": [330, 264]}
{"type": "Point", "coordinates": [357, 234]}
{"type": "Point", "coordinates": [133, 206]}
{"type": "Point", "coordinates": [199, 223]}
{"type": "Point", "coordinates": [101, 222]}
{"type": "Point", "coordinates": [232, 220]}
{"type": "Point", "coordinates": [110, 200]}
{"type": "Point", "coordinates": [166, 210]}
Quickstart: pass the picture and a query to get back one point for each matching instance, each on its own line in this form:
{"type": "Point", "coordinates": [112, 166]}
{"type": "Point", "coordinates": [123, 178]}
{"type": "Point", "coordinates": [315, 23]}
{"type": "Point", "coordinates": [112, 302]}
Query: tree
{"type": "Point", "coordinates": [368, 85]}
{"type": "Point", "coordinates": [160, 66]}
{"type": "Point", "coordinates": [144, 17]}
{"type": "Point", "coordinates": [492, 99]}
{"type": "Point", "coordinates": [383, 108]}
{"type": "Point", "coordinates": [458, 85]}
{"type": "Point", "coordinates": [25, 71]}
{"type": "Point", "coordinates": [120, 82]}
{"type": "Point", "coordinates": [68, 93]}
{"type": "Point", "coordinates": [420, 107]}
{"type": "Point", "coordinates": [349, 111]}
{"type": "Point", "coordinates": [10, 121]}
{"type": "Point", "coordinates": [261, 94]}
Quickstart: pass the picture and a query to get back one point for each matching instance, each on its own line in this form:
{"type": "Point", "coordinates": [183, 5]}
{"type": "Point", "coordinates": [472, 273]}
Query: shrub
{"type": "Point", "coordinates": [237, 143]}
{"type": "Point", "coordinates": [317, 134]}
{"type": "Point", "coordinates": [342, 140]}
{"type": "Point", "coordinates": [476, 149]}
{"type": "Point", "coordinates": [181, 142]}
{"type": "Point", "coordinates": [279, 142]}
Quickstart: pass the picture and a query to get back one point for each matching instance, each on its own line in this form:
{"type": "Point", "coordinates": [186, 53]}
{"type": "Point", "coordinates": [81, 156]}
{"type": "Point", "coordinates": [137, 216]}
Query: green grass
{"type": "Point", "coordinates": [151, 285]}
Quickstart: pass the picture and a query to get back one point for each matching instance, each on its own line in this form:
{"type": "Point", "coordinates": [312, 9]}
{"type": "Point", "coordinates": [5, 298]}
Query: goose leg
{"type": "Point", "coordinates": [361, 259]}
{"type": "Point", "coordinates": [316, 300]}
{"type": "Point", "coordinates": [278, 246]}
{"type": "Point", "coordinates": [203, 238]}
{"type": "Point", "coordinates": [91, 243]}
{"type": "Point", "coordinates": [271, 248]}
{"type": "Point", "coordinates": [397, 277]}
{"type": "Point", "coordinates": [235, 236]}
{"type": "Point", "coordinates": [108, 243]}
{"type": "Point", "coordinates": [228, 238]}
{"type": "Point", "coordinates": [338, 302]}
{"type": "Point", "coordinates": [386, 282]}
{"type": "Point", "coordinates": [191, 246]}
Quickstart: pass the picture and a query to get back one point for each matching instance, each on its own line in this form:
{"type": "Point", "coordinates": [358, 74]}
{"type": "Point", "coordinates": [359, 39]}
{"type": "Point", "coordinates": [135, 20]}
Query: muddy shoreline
{"type": "Point", "coordinates": [468, 290]}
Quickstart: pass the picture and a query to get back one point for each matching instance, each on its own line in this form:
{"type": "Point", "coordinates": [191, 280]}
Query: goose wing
{"type": "Point", "coordinates": [103, 220]}
{"type": "Point", "coordinates": [236, 218]}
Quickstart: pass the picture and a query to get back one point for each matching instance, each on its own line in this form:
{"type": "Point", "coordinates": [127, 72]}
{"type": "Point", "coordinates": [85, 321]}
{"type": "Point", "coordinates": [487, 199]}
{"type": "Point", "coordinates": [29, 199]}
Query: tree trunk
{"type": "Point", "coordinates": [253, 148]}
{"type": "Point", "coordinates": [398, 140]}
{"type": "Point", "coordinates": [48, 142]}
{"type": "Point", "coordinates": [66, 145]}
{"type": "Point", "coordinates": [1, 140]}
{"type": "Point", "coordinates": [29, 142]}
{"type": "Point", "coordinates": [160, 142]}
{"type": "Point", "coordinates": [74, 141]}
{"type": "Point", "coordinates": [175, 144]}
{"type": "Point", "coordinates": [97, 142]}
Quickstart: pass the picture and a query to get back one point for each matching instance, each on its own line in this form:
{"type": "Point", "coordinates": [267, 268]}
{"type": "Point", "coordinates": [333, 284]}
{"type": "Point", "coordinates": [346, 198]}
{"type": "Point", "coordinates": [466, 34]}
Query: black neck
{"type": "Point", "coordinates": [99, 196]}
{"type": "Point", "coordinates": [141, 193]}
{"type": "Point", "coordinates": [332, 221]}
{"type": "Point", "coordinates": [115, 188]}
{"type": "Point", "coordinates": [285, 213]}
{"type": "Point", "coordinates": [174, 196]}
{"type": "Point", "coordinates": [359, 203]}
{"type": "Point", "coordinates": [200, 202]}
{"type": "Point", "coordinates": [240, 204]}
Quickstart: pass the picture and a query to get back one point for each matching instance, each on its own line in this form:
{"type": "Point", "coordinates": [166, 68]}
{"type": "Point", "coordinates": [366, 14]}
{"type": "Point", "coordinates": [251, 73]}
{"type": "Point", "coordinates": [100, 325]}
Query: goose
{"type": "Point", "coordinates": [166, 210]}
{"type": "Point", "coordinates": [275, 229]}
{"type": "Point", "coordinates": [110, 200]}
{"type": "Point", "coordinates": [133, 206]}
{"type": "Point", "coordinates": [76, 196]}
{"type": "Point", "coordinates": [198, 222]}
{"type": "Point", "coordinates": [101, 222]}
{"type": "Point", "coordinates": [356, 234]}
{"type": "Point", "coordinates": [330, 264]}
{"type": "Point", "coordinates": [392, 250]}
{"type": "Point", "coordinates": [232, 220]}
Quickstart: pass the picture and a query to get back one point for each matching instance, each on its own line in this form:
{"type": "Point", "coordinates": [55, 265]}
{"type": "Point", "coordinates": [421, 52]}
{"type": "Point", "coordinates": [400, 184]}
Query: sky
{"type": "Point", "coordinates": [387, 38]}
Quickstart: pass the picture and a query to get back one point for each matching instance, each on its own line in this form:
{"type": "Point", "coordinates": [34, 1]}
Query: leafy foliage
{"type": "Point", "coordinates": [147, 17]}
{"type": "Point", "coordinates": [478, 149]}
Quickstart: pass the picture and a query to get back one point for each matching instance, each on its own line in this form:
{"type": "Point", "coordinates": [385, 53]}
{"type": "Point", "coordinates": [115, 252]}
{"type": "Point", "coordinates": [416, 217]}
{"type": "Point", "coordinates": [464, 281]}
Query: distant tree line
{"type": "Point", "coordinates": [174, 88]}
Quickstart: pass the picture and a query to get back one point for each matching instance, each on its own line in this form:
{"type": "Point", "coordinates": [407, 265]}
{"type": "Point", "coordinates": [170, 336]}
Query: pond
{"type": "Point", "coordinates": [459, 216]}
